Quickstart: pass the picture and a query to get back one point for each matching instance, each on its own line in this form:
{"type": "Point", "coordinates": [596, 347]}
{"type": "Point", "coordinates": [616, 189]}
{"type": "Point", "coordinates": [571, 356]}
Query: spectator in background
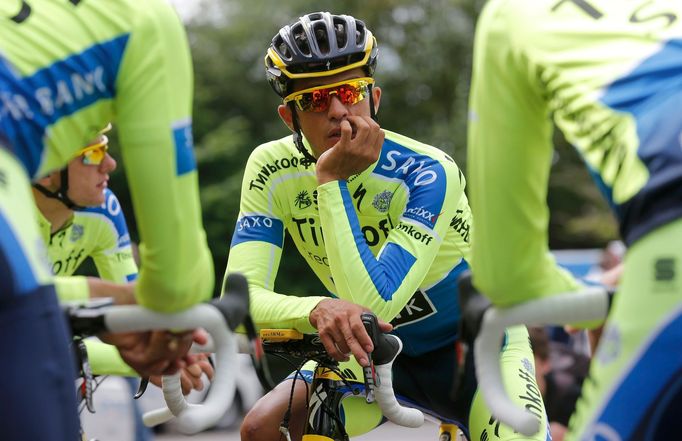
{"type": "Point", "coordinates": [559, 372]}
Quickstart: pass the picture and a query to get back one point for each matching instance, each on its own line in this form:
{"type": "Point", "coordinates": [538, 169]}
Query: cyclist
{"type": "Point", "coordinates": [80, 217]}
{"type": "Point", "coordinates": [67, 68]}
{"type": "Point", "coordinates": [607, 73]}
{"type": "Point", "coordinates": [381, 219]}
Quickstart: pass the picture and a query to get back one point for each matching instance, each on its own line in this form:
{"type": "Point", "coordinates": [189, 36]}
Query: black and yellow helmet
{"type": "Point", "coordinates": [317, 45]}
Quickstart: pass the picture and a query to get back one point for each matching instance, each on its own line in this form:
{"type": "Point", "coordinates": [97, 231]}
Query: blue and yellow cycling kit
{"type": "Point", "coordinates": [393, 238]}
{"type": "Point", "coordinates": [66, 69]}
{"type": "Point", "coordinates": [609, 75]}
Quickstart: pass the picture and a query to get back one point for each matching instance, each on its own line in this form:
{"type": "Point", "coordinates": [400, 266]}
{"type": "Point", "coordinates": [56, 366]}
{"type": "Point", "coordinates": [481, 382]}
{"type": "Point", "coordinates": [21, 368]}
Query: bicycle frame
{"type": "Point", "coordinates": [327, 391]}
{"type": "Point", "coordinates": [323, 420]}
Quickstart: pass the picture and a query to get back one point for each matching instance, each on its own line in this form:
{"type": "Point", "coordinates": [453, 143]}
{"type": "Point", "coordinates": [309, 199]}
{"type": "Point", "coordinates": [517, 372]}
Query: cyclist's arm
{"type": "Point", "coordinates": [72, 288]}
{"type": "Point", "coordinates": [153, 106]}
{"type": "Point", "coordinates": [256, 250]}
{"type": "Point", "coordinates": [385, 283]}
{"type": "Point", "coordinates": [105, 360]}
{"type": "Point", "coordinates": [510, 153]}
{"type": "Point", "coordinates": [113, 255]}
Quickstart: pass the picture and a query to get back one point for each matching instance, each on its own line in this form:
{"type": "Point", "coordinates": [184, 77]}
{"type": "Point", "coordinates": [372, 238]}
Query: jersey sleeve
{"type": "Point", "coordinates": [509, 156]}
{"type": "Point", "coordinates": [113, 256]}
{"type": "Point", "coordinates": [255, 252]}
{"type": "Point", "coordinates": [153, 106]}
{"type": "Point", "coordinates": [105, 360]}
{"type": "Point", "coordinates": [385, 283]}
{"type": "Point", "coordinates": [72, 288]}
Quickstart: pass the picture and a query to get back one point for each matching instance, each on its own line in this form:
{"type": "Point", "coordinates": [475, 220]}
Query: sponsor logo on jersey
{"type": "Point", "coordinates": [415, 233]}
{"type": "Point", "coordinates": [382, 201]}
{"type": "Point", "coordinates": [420, 213]}
{"type": "Point", "coordinates": [303, 200]}
{"type": "Point", "coordinates": [322, 260]}
{"type": "Point", "coordinates": [531, 398]}
{"type": "Point", "coordinates": [494, 425]}
{"type": "Point", "coordinates": [417, 308]}
{"type": "Point", "coordinates": [461, 225]}
{"type": "Point", "coordinates": [247, 222]}
{"type": "Point", "coordinates": [401, 164]}
{"type": "Point", "coordinates": [69, 264]}
{"type": "Point", "coordinates": [310, 230]}
{"type": "Point", "coordinates": [77, 231]}
{"type": "Point", "coordinates": [664, 269]}
{"type": "Point", "coordinates": [269, 169]}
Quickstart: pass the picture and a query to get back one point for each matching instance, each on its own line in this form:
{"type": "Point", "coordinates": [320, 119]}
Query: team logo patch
{"type": "Point", "coordinates": [418, 308]}
{"type": "Point", "coordinates": [76, 232]}
{"type": "Point", "coordinates": [528, 366]}
{"type": "Point", "coordinates": [382, 201]}
{"type": "Point", "coordinates": [303, 200]}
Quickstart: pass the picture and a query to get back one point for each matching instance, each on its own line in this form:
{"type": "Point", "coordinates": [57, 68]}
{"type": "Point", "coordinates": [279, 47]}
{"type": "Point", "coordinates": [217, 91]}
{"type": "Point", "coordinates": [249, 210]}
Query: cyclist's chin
{"type": "Point", "coordinates": [94, 200]}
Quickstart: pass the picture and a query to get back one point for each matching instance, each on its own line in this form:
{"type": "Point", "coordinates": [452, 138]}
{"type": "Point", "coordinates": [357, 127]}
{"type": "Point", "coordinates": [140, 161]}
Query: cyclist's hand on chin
{"type": "Point", "coordinates": [155, 352]}
{"type": "Point", "coordinates": [341, 330]}
{"type": "Point", "coordinates": [358, 148]}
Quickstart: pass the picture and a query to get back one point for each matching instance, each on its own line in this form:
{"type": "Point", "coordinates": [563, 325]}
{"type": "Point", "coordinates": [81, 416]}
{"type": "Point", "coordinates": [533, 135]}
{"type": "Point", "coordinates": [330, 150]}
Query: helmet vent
{"type": "Point", "coordinates": [341, 32]}
{"type": "Point", "coordinates": [320, 32]}
{"type": "Point", "coordinates": [300, 39]}
{"type": "Point", "coordinates": [359, 32]}
{"type": "Point", "coordinates": [282, 48]}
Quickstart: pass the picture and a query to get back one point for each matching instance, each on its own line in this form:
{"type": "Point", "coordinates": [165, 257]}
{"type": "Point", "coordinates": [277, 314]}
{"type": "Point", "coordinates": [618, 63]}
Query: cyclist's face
{"type": "Point", "coordinates": [88, 182]}
{"type": "Point", "coordinates": [322, 129]}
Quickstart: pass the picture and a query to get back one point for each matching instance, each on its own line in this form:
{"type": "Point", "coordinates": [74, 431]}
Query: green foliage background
{"type": "Point", "coordinates": [424, 71]}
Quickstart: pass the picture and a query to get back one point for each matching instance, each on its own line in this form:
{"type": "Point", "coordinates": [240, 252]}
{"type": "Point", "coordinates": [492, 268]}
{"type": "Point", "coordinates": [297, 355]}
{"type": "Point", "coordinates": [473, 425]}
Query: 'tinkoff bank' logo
{"type": "Point", "coordinates": [413, 232]}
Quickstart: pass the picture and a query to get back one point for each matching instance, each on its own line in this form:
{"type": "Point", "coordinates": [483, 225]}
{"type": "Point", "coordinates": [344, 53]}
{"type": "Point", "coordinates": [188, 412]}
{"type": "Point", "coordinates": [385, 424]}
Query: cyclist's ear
{"type": "Point", "coordinates": [285, 114]}
{"type": "Point", "coordinates": [376, 97]}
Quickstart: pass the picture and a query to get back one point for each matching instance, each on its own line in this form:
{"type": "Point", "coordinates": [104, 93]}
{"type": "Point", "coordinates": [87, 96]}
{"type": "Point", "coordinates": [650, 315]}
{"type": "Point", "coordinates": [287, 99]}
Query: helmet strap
{"type": "Point", "coordinates": [298, 137]}
{"type": "Point", "coordinates": [62, 192]}
{"type": "Point", "coordinates": [372, 112]}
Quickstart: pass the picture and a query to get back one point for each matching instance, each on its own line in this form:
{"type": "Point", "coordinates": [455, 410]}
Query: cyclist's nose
{"type": "Point", "coordinates": [337, 110]}
{"type": "Point", "coordinates": [108, 164]}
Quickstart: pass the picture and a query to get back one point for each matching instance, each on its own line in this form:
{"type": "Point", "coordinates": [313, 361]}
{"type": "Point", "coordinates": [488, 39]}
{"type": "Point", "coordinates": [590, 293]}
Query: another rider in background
{"type": "Point", "coordinates": [381, 219]}
{"type": "Point", "coordinates": [66, 69]}
{"type": "Point", "coordinates": [80, 217]}
{"type": "Point", "coordinates": [608, 74]}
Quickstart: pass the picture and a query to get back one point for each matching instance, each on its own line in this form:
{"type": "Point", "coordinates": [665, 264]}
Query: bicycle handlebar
{"type": "Point", "coordinates": [590, 304]}
{"type": "Point", "coordinates": [385, 397]}
{"type": "Point", "coordinates": [386, 350]}
{"type": "Point", "coordinates": [218, 318]}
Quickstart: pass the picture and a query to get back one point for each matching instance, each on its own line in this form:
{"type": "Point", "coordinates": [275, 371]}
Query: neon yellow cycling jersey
{"type": "Point", "coordinates": [97, 232]}
{"type": "Point", "coordinates": [392, 238]}
{"type": "Point", "coordinates": [127, 62]}
{"type": "Point", "coordinates": [608, 73]}
{"type": "Point", "coordinates": [102, 234]}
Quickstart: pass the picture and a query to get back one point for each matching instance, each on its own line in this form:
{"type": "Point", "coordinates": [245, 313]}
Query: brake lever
{"type": "Point", "coordinates": [142, 388]}
{"type": "Point", "coordinates": [371, 324]}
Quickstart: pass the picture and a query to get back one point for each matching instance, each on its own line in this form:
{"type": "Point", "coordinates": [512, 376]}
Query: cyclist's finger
{"type": "Point", "coordinates": [200, 336]}
{"type": "Point", "coordinates": [189, 380]}
{"type": "Point", "coordinates": [385, 326]}
{"type": "Point", "coordinates": [206, 367]}
{"type": "Point", "coordinates": [346, 133]}
{"type": "Point", "coordinates": [330, 345]}
{"type": "Point", "coordinates": [362, 339]}
{"type": "Point", "coordinates": [361, 127]}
